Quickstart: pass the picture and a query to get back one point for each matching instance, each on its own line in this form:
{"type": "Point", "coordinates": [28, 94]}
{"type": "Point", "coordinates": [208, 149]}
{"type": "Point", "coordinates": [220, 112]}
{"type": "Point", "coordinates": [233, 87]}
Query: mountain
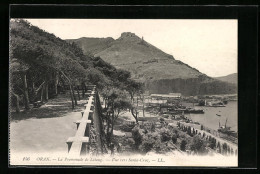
{"type": "Point", "coordinates": [231, 78]}
{"type": "Point", "coordinates": [92, 45]}
{"type": "Point", "coordinates": [160, 72]}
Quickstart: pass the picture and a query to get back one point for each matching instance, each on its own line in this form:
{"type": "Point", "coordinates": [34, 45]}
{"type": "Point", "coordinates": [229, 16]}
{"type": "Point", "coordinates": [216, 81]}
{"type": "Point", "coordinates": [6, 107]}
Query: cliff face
{"type": "Point", "coordinates": [160, 72]}
{"type": "Point", "coordinates": [192, 86]}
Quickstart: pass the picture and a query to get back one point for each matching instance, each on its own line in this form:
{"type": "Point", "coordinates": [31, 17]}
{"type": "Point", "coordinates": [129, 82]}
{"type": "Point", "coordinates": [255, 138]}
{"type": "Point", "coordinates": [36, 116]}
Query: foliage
{"type": "Point", "coordinates": [161, 119]}
{"type": "Point", "coordinates": [149, 141]}
{"type": "Point", "coordinates": [183, 145]}
{"type": "Point", "coordinates": [153, 127]}
{"type": "Point", "coordinates": [165, 134]}
{"type": "Point", "coordinates": [131, 142]}
{"type": "Point", "coordinates": [225, 148]}
{"type": "Point", "coordinates": [174, 138]}
{"type": "Point", "coordinates": [126, 127]}
{"type": "Point", "coordinates": [137, 136]}
{"type": "Point", "coordinates": [212, 144]}
{"type": "Point", "coordinates": [42, 57]}
{"type": "Point", "coordinates": [198, 146]}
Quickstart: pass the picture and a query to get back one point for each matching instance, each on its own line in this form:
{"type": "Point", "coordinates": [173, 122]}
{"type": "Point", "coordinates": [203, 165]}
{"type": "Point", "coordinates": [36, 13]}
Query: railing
{"type": "Point", "coordinates": [78, 145]}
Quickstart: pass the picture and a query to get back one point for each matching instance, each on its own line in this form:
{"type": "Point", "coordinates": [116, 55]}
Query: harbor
{"type": "Point", "coordinates": [215, 122]}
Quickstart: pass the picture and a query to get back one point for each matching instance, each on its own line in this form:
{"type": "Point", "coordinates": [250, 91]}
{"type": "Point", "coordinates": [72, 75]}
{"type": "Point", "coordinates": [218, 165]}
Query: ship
{"type": "Point", "coordinates": [214, 104]}
{"type": "Point", "coordinates": [193, 111]}
{"type": "Point", "coordinates": [226, 130]}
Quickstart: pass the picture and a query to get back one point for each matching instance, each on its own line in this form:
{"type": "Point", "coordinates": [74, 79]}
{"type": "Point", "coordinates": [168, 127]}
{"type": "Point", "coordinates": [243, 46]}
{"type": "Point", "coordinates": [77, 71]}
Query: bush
{"type": "Point", "coordinates": [189, 131]}
{"type": "Point", "coordinates": [161, 147]}
{"type": "Point", "coordinates": [225, 147]}
{"type": "Point", "coordinates": [149, 141]}
{"type": "Point", "coordinates": [183, 145]}
{"type": "Point", "coordinates": [161, 119]}
{"type": "Point", "coordinates": [212, 143]}
{"type": "Point", "coordinates": [165, 134]}
{"type": "Point", "coordinates": [153, 127]}
{"type": "Point", "coordinates": [126, 127]}
{"type": "Point", "coordinates": [165, 116]}
{"type": "Point", "coordinates": [137, 136]}
{"type": "Point", "coordinates": [198, 146]}
{"type": "Point", "coordinates": [131, 142]}
{"type": "Point", "coordinates": [174, 138]}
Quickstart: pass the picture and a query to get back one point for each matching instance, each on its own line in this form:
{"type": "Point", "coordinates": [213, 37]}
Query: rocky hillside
{"type": "Point", "coordinates": [160, 72]}
{"type": "Point", "coordinates": [231, 78]}
{"type": "Point", "coordinates": [92, 45]}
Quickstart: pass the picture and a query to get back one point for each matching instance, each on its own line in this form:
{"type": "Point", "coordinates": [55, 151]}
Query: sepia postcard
{"type": "Point", "coordinates": [123, 92]}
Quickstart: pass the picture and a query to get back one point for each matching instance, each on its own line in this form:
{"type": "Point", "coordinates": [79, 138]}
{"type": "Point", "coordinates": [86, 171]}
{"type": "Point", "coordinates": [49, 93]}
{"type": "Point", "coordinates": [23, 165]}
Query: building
{"type": "Point", "coordinates": [166, 96]}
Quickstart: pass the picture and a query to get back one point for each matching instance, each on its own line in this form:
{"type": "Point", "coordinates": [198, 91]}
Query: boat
{"type": "Point", "coordinates": [217, 104]}
{"type": "Point", "coordinates": [218, 115]}
{"type": "Point", "coordinates": [193, 111]}
{"type": "Point", "coordinates": [226, 130]}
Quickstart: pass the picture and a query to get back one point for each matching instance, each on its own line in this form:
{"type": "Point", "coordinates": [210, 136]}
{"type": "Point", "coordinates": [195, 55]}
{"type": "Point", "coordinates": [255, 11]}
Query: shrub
{"type": "Point", "coordinates": [165, 134]}
{"type": "Point", "coordinates": [189, 131]}
{"type": "Point", "coordinates": [153, 127]}
{"type": "Point", "coordinates": [193, 131]}
{"type": "Point", "coordinates": [183, 145]}
{"type": "Point", "coordinates": [198, 146]}
{"type": "Point", "coordinates": [174, 138]}
{"type": "Point", "coordinates": [131, 142]}
{"type": "Point", "coordinates": [161, 147]}
{"type": "Point", "coordinates": [149, 141]}
{"type": "Point", "coordinates": [136, 133]}
{"type": "Point", "coordinates": [225, 146]}
{"type": "Point", "coordinates": [161, 119]}
{"type": "Point", "coordinates": [212, 143]}
{"type": "Point", "coordinates": [126, 127]}
{"type": "Point", "coordinates": [166, 116]}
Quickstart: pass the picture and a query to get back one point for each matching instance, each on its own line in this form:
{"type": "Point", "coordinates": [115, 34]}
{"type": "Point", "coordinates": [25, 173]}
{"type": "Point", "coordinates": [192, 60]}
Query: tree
{"type": "Point", "coordinates": [43, 52]}
{"type": "Point", "coordinates": [212, 144]}
{"type": "Point", "coordinates": [183, 145]}
{"type": "Point", "coordinates": [148, 141]}
{"type": "Point", "coordinates": [198, 145]}
{"type": "Point", "coordinates": [178, 124]}
{"type": "Point", "coordinates": [18, 70]}
{"type": "Point", "coordinates": [219, 147]}
{"type": "Point", "coordinates": [137, 136]}
{"type": "Point", "coordinates": [17, 101]}
{"type": "Point", "coordinates": [117, 104]}
{"type": "Point", "coordinates": [225, 147]}
{"type": "Point", "coordinates": [189, 131]}
{"type": "Point", "coordinates": [193, 132]}
{"type": "Point", "coordinates": [174, 138]}
{"type": "Point", "coordinates": [165, 134]}
{"type": "Point", "coordinates": [135, 89]}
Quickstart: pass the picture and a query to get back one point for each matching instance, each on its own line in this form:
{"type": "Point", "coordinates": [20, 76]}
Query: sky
{"type": "Point", "coordinates": [207, 45]}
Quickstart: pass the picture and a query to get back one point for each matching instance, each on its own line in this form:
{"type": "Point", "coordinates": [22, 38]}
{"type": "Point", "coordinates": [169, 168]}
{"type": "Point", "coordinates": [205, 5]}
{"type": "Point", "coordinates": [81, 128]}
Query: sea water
{"type": "Point", "coordinates": [211, 120]}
